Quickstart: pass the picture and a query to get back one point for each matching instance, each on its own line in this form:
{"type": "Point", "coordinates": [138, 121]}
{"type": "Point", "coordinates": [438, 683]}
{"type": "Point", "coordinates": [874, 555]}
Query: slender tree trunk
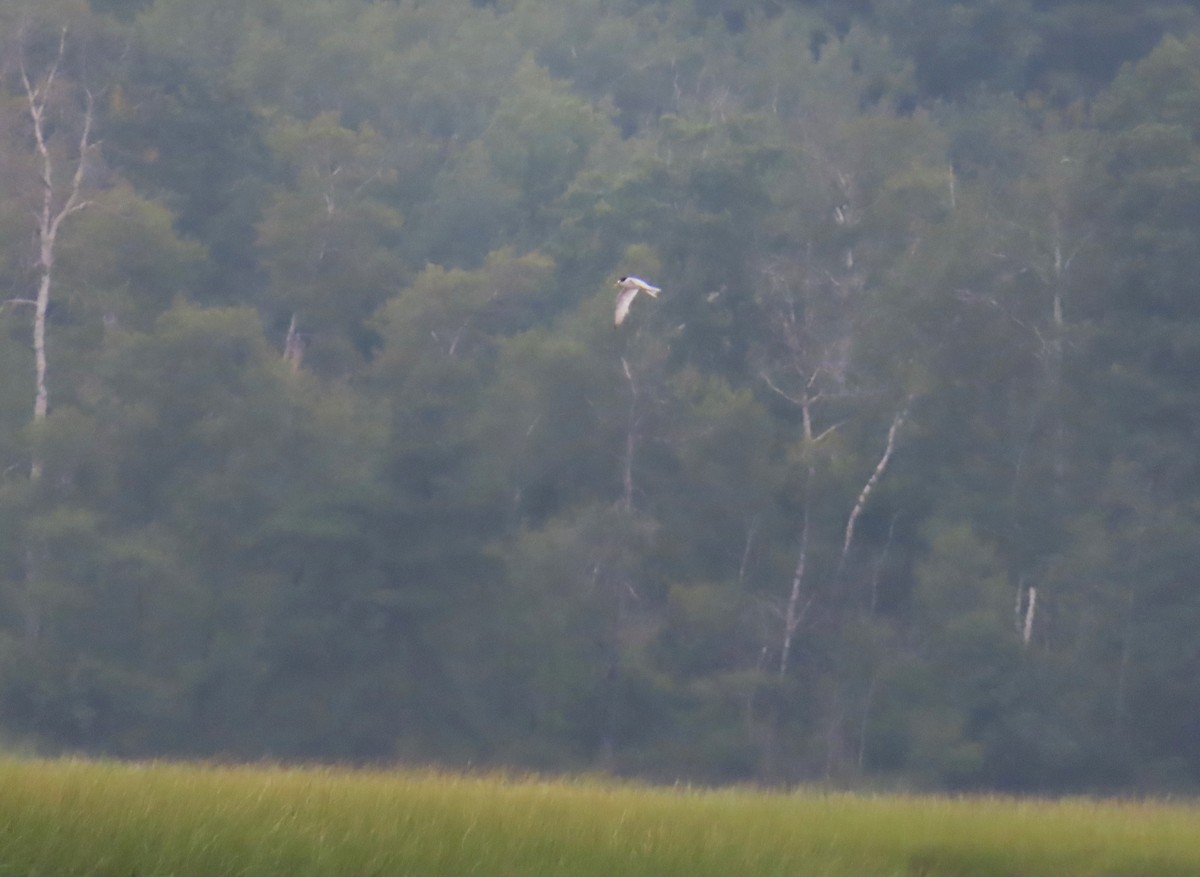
{"type": "Point", "coordinates": [52, 209]}
{"type": "Point", "coordinates": [751, 527]}
{"type": "Point", "coordinates": [630, 441]}
{"type": "Point", "coordinates": [880, 563]}
{"type": "Point", "coordinates": [1024, 610]}
{"type": "Point", "coordinates": [293, 347]}
{"type": "Point", "coordinates": [795, 611]}
{"type": "Point", "coordinates": [41, 401]}
{"type": "Point", "coordinates": [49, 219]}
{"type": "Point", "coordinates": [623, 588]}
{"type": "Point", "coordinates": [833, 732]}
{"type": "Point", "coordinates": [1056, 362]}
{"type": "Point", "coordinates": [1122, 680]}
{"type": "Point", "coordinates": [864, 724]}
{"type": "Point", "coordinates": [880, 468]}
{"type": "Point", "coordinates": [1027, 627]}
{"type": "Point", "coordinates": [31, 611]}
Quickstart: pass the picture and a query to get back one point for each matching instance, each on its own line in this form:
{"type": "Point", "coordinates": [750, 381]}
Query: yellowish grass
{"type": "Point", "coordinates": [85, 817]}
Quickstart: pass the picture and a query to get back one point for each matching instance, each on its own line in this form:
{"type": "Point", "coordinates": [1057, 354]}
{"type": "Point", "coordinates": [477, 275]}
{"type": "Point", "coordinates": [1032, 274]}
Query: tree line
{"type": "Point", "coordinates": [318, 440]}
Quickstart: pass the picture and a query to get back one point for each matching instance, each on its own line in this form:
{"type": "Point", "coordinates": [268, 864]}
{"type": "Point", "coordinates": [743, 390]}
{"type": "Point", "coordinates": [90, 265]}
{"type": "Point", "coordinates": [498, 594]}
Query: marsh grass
{"type": "Point", "coordinates": [85, 817]}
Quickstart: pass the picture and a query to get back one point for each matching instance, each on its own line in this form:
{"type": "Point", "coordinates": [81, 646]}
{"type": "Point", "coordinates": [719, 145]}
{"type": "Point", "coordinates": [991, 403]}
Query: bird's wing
{"type": "Point", "coordinates": [642, 285]}
{"type": "Point", "coordinates": [623, 301]}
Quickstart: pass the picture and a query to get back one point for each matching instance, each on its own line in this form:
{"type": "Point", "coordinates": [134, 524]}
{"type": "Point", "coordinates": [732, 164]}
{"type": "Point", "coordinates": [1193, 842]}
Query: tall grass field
{"type": "Point", "coordinates": [70, 817]}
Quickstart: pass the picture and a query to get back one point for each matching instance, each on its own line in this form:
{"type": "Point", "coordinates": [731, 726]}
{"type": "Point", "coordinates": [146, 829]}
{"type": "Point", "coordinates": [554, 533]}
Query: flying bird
{"type": "Point", "coordinates": [630, 287]}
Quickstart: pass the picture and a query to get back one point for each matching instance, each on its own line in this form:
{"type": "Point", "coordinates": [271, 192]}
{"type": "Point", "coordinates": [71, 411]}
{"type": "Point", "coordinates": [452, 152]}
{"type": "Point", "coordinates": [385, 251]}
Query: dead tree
{"type": "Point", "coordinates": [810, 368]}
{"type": "Point", "coordinates": [797, 608]}
{"type": "Point", "coordinates": [56, 204]}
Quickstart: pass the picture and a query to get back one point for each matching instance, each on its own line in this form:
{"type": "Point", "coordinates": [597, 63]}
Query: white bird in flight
{"type": "Point", "coordinates": [630, 287]}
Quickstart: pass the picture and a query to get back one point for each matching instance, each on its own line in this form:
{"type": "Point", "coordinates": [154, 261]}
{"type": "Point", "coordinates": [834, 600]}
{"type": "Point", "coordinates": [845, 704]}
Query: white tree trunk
{"type": "Point", "coordinates": [794, 612]}
{"type": "Point", "coordinates": [293, 347]}
{"type": "Point", "coordinates": [1027, 627]}
{"type": "Point", "coordinates": [880, 468]}
{"type": "Point", "coordinates": [49, 219]}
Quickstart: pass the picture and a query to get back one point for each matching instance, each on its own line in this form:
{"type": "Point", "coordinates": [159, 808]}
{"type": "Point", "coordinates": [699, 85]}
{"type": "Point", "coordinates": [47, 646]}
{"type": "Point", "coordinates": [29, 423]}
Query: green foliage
{"type": "Point", "coordinates": [327, 245]}
{"type": "Point", "coordinates": [123, 264]}
{"type": "Point", "coordinates": [346, 459]}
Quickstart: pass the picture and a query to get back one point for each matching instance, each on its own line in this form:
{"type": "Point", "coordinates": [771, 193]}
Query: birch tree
{"type": "Point", "coordinates": [810, 368]}
{"type": "Point", "coordinates": [61, 163]}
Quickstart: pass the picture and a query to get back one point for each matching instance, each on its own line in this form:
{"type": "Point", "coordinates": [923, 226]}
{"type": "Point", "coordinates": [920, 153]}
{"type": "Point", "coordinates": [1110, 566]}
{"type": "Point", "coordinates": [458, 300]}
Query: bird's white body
{"type": "Point", "coordinates": [630, 287]}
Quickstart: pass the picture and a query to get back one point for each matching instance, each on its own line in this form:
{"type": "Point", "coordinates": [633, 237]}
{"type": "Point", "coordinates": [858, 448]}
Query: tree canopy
{"type": "Point", "coordinates": [317, 439]}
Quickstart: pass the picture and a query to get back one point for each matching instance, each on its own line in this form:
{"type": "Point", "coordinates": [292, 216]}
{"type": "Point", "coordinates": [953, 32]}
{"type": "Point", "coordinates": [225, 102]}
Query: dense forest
{"type": "Point", "coordinates": [318, 440]}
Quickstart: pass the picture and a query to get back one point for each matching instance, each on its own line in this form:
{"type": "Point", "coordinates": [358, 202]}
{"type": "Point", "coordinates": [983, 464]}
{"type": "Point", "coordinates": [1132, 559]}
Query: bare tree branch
{"type": "Point", "coordinates": [767, 379]}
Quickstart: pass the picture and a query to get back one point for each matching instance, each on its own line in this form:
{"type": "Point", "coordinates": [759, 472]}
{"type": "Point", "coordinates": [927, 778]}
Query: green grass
{"type": "Point", "coordinates": [86, 817]}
